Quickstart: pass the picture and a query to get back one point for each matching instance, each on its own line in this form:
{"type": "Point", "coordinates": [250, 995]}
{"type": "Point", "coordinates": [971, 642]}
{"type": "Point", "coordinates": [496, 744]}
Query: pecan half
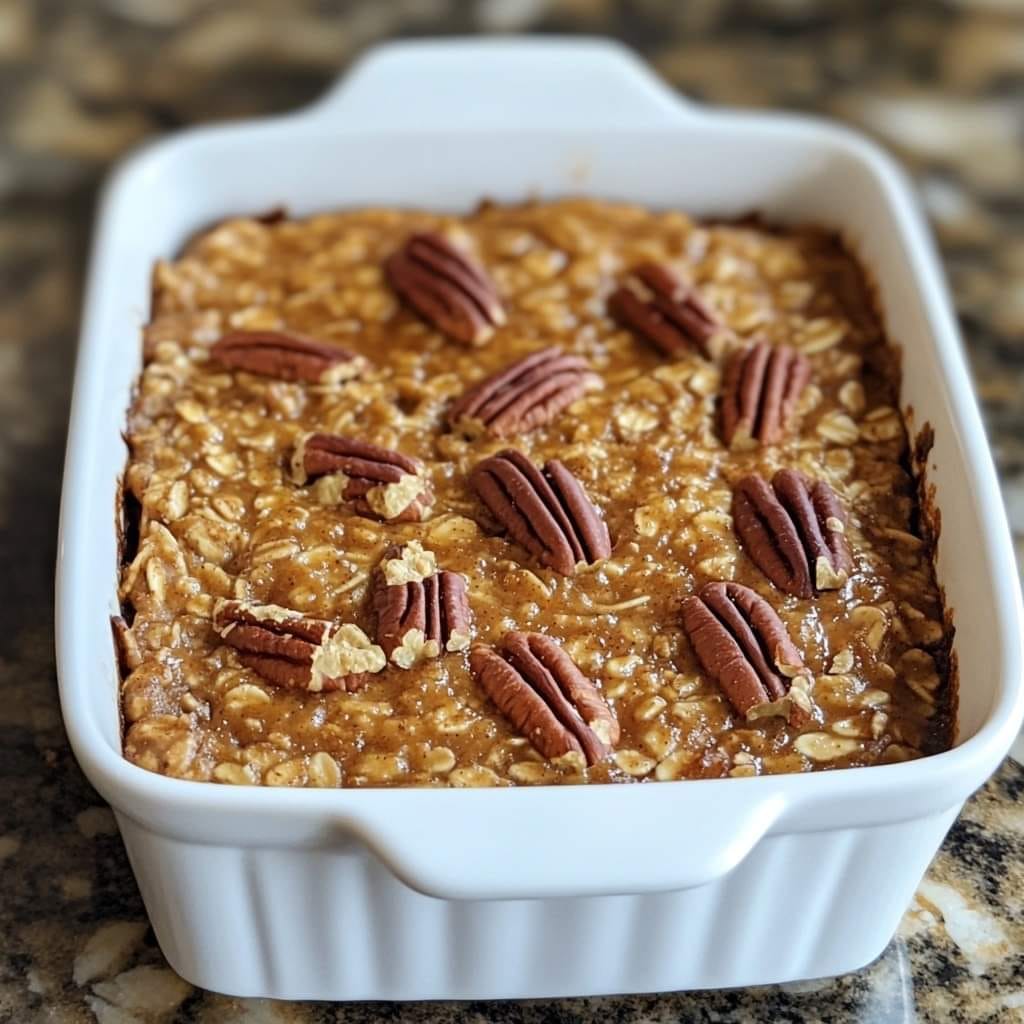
{"type": "Point", "coordinates": [421, 618]}
{"type": "Point", "coordinates": [658, 306]}
{"type": "Point", "coordinates": [290, 650]}
{"type": "Point", "coordinates": [377, 482]}
{"type": "Point", "coordinates": [760, 390]}
{"type": "Point", "coordinates": [743, 645]}
{"type": "Point", "coordinates": [794, 530]}
{"type": "Point", "coordinates": [287, 356]}
{"type": "Point", "coordinates": [527, 394]}
{"type": "Point", "coordinates": [542, 692]}
{"type": "Point", "coordinates": [445, 288]}
{"type": "Point", "coordinates": [548, 512]}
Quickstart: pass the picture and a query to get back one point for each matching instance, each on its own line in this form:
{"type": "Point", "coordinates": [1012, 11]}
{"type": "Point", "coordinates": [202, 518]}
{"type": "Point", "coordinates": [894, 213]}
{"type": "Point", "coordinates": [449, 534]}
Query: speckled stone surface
{"type": "Point", "coordinates": [81, 82]}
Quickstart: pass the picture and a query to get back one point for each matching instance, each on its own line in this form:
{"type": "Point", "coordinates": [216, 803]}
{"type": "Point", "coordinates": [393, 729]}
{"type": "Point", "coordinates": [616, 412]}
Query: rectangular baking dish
{"type": "Point", "coordinates": [527, 892]}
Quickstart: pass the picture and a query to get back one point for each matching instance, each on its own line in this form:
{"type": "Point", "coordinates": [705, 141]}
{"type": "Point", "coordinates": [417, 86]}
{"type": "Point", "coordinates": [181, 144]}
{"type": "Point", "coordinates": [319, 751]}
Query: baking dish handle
{"type": "Point", "coordinates": [508, 84]}
{"type": "Point", "coordinates": [532, 843]}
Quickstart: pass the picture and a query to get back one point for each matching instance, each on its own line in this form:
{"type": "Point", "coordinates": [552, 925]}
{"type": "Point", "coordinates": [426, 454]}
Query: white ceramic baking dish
{"type": "Point", "coordinates": [405, 894]}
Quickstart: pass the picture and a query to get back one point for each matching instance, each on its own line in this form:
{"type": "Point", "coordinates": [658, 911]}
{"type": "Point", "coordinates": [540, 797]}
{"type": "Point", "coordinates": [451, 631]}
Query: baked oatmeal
{"type": "Point", "coordinates": [559, 492]}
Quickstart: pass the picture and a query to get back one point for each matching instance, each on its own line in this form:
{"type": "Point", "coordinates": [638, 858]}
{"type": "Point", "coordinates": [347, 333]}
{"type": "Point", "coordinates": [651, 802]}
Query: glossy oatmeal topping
{"type": "Point", "coordinates": [560, 492]}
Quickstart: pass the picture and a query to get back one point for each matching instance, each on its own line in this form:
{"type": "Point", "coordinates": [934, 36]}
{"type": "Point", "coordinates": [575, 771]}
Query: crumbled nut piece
{"type": "Point", "coordinates": [843, 662]}
{"type": "Point", "coordinates": [290, 650]}
{"type": "Point", "coordinates": [379, 483]}
{"type": "Point", "coordinates": [346, 652]}
{"type": "Point", "coordinates": [413, 564]}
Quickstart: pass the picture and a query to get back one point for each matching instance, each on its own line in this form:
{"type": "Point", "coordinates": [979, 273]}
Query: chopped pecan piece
{"type": "Point", "coordinates": [656, 305]}
{"type": "Point", "coordinates": [410, 564]}
{"type": "Point", "coordinates": [548, 512]}
{"type": "Point", "coordinates": [287, 356]}
{"type": "Point", "coordinates": [794, 530]}
{"type": "Point", "coordinates": [743, 645]}
{"type": "Point", "coordinates": [542, 692]}
{"type": "Point", "coordinates": [760, 390]}
{"type": "Point", "coordinates": [525, 395]}
{"type": "Point", "coordinates": [445, 288]}
{"type": "Point", "coordinates": [377, 482]}
{"type": "Point", "coordinates": [290, 650]}
{"type": "Point", "coordinates": [423, 615]}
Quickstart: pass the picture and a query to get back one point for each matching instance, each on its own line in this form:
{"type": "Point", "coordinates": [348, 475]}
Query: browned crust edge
{"type": "Point", "coordinates": [930, 527]}
{"type": "Point", "coordinates": [921, 444]}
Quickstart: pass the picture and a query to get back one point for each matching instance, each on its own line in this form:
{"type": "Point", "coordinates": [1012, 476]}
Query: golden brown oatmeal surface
{"type": "Point", "coordinates": [221, 516]}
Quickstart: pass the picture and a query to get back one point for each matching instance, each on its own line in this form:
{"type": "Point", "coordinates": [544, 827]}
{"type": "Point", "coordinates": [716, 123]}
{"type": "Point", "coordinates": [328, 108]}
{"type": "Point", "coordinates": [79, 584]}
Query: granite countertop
{"type": "Point", "coordinates": [82, 82]}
